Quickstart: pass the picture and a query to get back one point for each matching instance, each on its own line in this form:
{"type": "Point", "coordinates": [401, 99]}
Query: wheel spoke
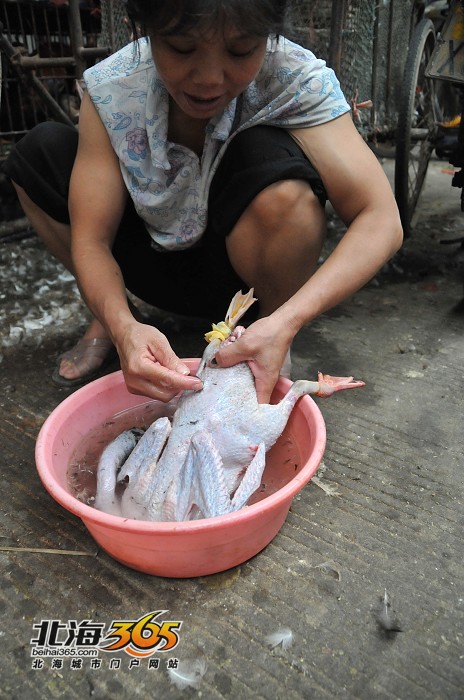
{"type": "Point", "coordinates": [416, 123]}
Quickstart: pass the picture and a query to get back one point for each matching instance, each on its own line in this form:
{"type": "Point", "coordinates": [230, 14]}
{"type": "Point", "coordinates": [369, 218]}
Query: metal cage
{"type": "Point", "coordinates": [46, 45]}
{"type": "Point", "coordinates": [39, 63]}
{"type": "Point", "coordinates": [366, 42]}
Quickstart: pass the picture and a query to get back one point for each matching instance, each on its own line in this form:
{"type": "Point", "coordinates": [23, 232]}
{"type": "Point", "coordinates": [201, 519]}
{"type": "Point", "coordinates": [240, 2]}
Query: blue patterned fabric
{"type": "Point", "coordinates": [168, 183]}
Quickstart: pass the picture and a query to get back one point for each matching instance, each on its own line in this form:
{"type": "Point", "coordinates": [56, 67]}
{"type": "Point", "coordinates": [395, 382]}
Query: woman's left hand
{"type": "Point", "coordinates": [264, 346]}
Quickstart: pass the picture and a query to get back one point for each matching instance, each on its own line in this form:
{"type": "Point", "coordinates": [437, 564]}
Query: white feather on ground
{"type": "Point", "coordinates": [188, 674]}
{"type": "Point", "coordinates": [329, 490]}
{"type": "Point", "coordinates": [39, 298]}
{"type": "Point", "coordinates": [282, 637]}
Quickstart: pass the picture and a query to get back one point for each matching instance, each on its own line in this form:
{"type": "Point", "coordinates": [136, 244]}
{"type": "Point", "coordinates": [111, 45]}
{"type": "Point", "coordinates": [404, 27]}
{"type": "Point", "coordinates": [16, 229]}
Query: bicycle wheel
{"type": "Point", "coordinates": [417, 123]}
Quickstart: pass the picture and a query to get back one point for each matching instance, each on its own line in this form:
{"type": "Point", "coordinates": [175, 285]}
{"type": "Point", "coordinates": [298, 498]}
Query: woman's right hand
{"type": "Point", "coordinates": [150, 366]}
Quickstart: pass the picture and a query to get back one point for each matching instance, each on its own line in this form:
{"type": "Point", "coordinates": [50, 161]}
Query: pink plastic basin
{"type": "Point", "coordinates": [179, 549]}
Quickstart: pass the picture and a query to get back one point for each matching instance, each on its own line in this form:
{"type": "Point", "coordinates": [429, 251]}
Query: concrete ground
{"type": "Point", "coordinates": [386, 513]}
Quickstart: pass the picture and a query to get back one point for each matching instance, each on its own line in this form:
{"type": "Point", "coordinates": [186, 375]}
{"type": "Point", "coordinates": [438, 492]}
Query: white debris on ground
{"type": "Point", "coordinates": [316, 479]}
{"type": "Point", "coordinates": [188, 673]}
{"type": "Point", "coordinates": [38, 296]}
{"type": "Point", "coordinates": [39, 299]}
{"type": "Point", "coordinates": [282, 637]}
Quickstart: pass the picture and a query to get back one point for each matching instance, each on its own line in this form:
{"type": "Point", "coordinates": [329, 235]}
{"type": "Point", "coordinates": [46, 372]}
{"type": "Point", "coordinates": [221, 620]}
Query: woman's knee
{"type": "Point", "coordinates": [41, 164]}
{"type": "Point", "coordinates": [283, 228]}
{"type": "Point", "coordinates": [288, 202]}
{"type": "Point", "coordinates": [48, 138]}
{"type": "Point", "coordinates": [50, 132]}
{"type": "Point", "coordinates": [48, 151]}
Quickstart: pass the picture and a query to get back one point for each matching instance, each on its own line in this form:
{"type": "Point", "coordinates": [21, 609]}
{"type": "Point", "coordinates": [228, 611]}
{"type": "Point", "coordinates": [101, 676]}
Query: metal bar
{"type": "Point", "coordinates": [75, 33]}
{"type": "Point", "coordinates": [5, 20]}
{"type": "Point", "coordinates": [35, 32]}
{"type": "Point", "coordinates": [389, 66]}
{"type": "Point", "coordinates": [110, 9]}
{"type": "Point", "coordinates": [375, 53]}
{"type": "Point", "coordinates": [37, 62]}
{"type": "Point", "coordinates": [337, 24]}
{"type": "Point", "coordinates": [28, 62]}
{"type": "Point", "coordinates": [95, 51]}
{"type": "Point", "coordinates": [6, 107]}
{"type": "Point", "coordinates": [59, 30]}
{"type": "Point", "coordinates": [20, 18]}
{"type": "Point", "coordinates": [14, 132]}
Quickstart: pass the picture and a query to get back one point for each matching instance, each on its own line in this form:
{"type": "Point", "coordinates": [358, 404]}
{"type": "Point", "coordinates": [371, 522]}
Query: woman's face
{"type": "Point", "coordinates": [204, 71]}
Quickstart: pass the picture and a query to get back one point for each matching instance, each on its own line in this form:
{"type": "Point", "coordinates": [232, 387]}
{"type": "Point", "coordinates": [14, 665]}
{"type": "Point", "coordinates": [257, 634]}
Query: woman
{"type": "Point", "coordinates": [204, 159]}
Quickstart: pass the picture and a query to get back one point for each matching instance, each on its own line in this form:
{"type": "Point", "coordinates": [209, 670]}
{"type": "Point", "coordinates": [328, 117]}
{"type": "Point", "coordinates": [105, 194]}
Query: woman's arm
{"type": "Point", "coordinates": [97, 200]}
{"type": "Point", "coordinates": [361, 194]}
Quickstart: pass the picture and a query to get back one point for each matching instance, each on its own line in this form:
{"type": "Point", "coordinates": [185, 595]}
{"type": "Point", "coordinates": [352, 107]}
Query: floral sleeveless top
{"type": "Point", "coordinates": [168, 182]}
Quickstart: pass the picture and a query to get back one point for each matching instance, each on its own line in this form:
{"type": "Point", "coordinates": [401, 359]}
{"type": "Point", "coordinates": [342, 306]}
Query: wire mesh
{"type": "Point", "coordinates": [114, 28]}
{"type": "Point", "coordinates": [366, 42]}
{"type": "Point", "coordinates": [308, 24]}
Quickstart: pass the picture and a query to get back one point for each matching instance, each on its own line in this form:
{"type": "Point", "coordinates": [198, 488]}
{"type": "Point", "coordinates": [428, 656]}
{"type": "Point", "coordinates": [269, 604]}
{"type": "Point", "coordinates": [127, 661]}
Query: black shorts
{"type": "Point", "coordinates": [199, 281]}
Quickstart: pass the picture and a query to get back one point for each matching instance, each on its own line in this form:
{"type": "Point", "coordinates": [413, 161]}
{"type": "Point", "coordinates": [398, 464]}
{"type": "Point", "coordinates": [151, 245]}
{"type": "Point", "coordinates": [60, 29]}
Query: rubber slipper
{"type": "Point", "coordinates": [91, 355]}
{"type": "Point", "coordinates": [286, 370]}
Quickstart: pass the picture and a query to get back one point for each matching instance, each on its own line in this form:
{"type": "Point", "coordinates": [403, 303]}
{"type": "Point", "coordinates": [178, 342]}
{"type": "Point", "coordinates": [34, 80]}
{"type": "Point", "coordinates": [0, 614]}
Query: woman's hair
{"type": "Point", "coordinates": [168, 17]}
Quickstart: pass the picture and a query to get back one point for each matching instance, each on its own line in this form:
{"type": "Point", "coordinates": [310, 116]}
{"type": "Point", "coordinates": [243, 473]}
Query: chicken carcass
{"type": "Point", "coordinates": [210, 460]}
